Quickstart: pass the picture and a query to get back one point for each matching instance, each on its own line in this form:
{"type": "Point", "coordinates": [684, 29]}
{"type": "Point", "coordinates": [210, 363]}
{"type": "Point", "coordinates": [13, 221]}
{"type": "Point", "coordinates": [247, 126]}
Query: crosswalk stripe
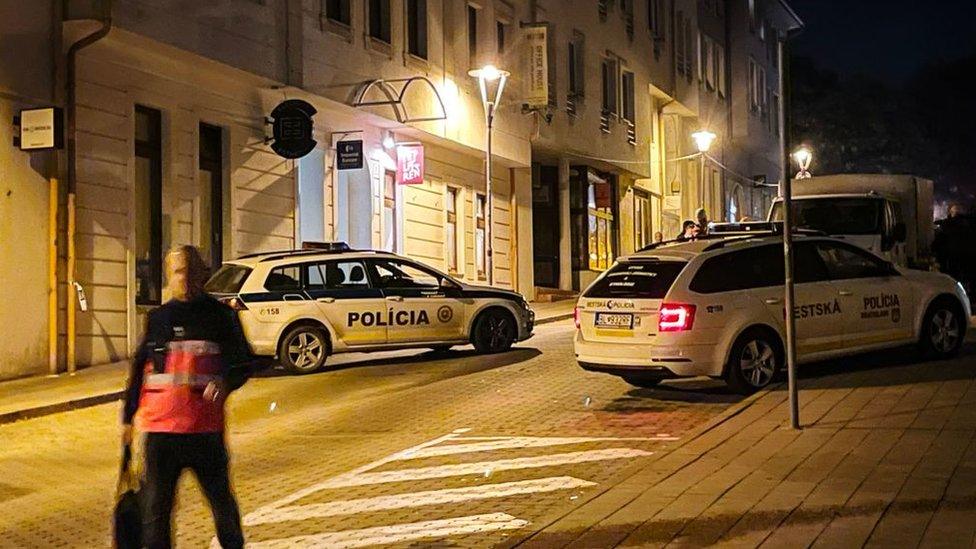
{"type": "Point", "coordinates": [414, 499]}
{"type": "Point", "coordinates": [440, 471]}
{"type": "Point", "coordinates": [398, 533]}
{"type": "Point", "coordinates": [504, 443]}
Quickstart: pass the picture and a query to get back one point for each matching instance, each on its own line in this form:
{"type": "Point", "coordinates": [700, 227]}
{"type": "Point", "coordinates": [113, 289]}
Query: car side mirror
{"type": "Point", "coordinates": [900, 232]}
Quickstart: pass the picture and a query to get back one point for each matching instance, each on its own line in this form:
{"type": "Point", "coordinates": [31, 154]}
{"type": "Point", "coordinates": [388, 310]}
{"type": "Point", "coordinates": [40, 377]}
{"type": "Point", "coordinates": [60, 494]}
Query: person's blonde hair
{"type": "Point", "coordinates": [186, 272]}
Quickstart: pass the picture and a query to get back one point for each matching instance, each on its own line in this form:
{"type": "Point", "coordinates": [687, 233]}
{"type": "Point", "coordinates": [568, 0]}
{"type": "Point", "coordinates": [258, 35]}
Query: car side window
{"type": "Point", "coordinates": [846, 262]}
{"type": "Point", "coordinates": [338, 275]}
{"type": "Point", "coordinates": [758, 267]}
{"type": "Point", "coordinates": [808, 266]}
{"type": "Point", "coordinates": [399, 274]}
{"type": "Point", "coordinates": [284, 279]}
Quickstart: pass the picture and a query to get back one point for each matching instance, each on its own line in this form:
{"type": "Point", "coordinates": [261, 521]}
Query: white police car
{"type": "Point", "coordinates": [714, 307]}
{"type": "Point", "coordinates": [304, 305]}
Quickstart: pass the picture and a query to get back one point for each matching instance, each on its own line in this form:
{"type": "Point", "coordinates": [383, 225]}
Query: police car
{"type": "Point", "coordinates": [304, 305]}
{"type": "Point", "coordinates": [714, 307]}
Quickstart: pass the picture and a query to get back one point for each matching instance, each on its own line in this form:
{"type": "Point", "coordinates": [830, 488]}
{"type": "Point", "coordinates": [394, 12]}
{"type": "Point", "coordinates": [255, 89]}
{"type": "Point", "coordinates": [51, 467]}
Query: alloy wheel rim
{"type": "Point", "coordinates": [944, 331]}
{"type": "Point", "coordinates": [497, 329]}
{"type": "Point", "coordinates": [305, 350]}
{"type": "Point", "coordinates": [757, 363]}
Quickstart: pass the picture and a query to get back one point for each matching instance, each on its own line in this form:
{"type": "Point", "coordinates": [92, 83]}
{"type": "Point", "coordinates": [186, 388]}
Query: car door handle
{"type": "Point", "coordinates": [293, 297]}
{"type": "Point", "coordinates": [394, 298]}
{"type": "Point", "coordinates": [845, 292]}
{"type": "Point", "coordinates": [772, 301]}
{"type": "Point", "coordinates": [326, 300]}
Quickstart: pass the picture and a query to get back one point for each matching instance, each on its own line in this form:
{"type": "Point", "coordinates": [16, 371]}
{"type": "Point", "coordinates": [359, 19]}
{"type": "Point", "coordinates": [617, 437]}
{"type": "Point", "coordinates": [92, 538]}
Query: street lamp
{"type": "Point", "coordinates": [489, 76]}
{"type": "Point", "coordinates": [803, 156]}
{"type": "Point", "coordinates": [703, 141]}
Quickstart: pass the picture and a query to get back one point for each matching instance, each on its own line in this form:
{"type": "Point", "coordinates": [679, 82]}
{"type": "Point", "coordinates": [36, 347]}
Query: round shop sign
{"type": "Point", "coordinates": [445, 314]}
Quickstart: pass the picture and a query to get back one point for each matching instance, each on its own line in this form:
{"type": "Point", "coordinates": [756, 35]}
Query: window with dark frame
{"type": "Point", "coordinates": [576, 66]}
{"type": "Point", "coordinates": [472, 34]}
{"type": "Point", "coordinates": [417, 28]}
{"type": "Point", "coordinates": [149, 205]}
{"type": "Point", "coordinates": [339, 11]}
{"type": "Point", "coordinates": [609, 76]}
{"type": "Point", "coordinates": [453, 235]}
{"type": "Point", "coordinates": [500, 36]}
{"type": "Point", "coordinates": [379, 20]}
{"type": "Point", "coordinates": [627, 91]}
{"type": "Point", "coordinates": [480, 247]}
{"type": "Point", "coordinates": [211, 194]}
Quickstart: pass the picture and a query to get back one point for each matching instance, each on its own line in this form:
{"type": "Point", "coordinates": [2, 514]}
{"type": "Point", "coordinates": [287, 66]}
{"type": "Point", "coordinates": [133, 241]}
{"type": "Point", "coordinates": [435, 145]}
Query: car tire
{"type": "Point", "coordinates": [304, 349]}
{"type": "Point", "coordinates": [494, 331]}
{"type": "Point", "coordinates": [646, 383]}
{"type": "Point", "coordinates": [943, 330]}
{"type": "Point", "coordinates": [753, 362]}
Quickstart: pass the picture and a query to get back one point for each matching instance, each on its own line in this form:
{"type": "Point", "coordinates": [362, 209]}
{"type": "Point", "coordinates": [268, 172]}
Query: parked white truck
{"type": "Point", "coordinates": [890, 215]}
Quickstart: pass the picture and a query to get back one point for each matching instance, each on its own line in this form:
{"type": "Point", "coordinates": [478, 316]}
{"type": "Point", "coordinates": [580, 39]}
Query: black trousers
{"type": "Point", "coordinates": [167, 454]}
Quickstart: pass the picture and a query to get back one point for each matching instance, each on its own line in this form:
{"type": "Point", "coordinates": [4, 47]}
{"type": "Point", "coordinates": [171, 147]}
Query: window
{"type": "Point", "coordinates": [758, 99]}
{"type": "Point", "coordinates": [637, 280]}
{"type": "Point", "coordinates": [679, 44]}
{"type": "Point", "coordinates": [417, 28]}
{"type": "Point", "coordinates": [390, 240]}
{"type": "Point", "coordinates": [480, 250]}
{"type": "Point", "coordinates": [472, 35]}
{"type": "Point", "coordinates": [211, 180]}
{"type": "Point", "coordinates": [839, 216]}
{"type": "Point", "coordinates": [395, 274]}
{"type": "Point", "coordinates": [609, 75]}
{"type": "Point", "coordinates": [336, 275]}
{"type": "Point", "coordinates": [752, 15]}
{"type": "Point", "coordinates": [700, 55]}
{"type": "Point", "coordinates": [339, 11]}
{"type": "Point", "coordinates": [452, 234]}
{"type": "Point", "coordinates": [500, 37]}
{"type": "Point", "coordinates": [759, 267]}
{"type": "Point", "coordinates": [642, 220]}
{"type": "Point", "coordinates": [627, 90]}
{"type": "Point", "coordinates": [846, 262]}
{"type": "Point", "coordinates": [655, 18]}
{"type": "Point", "coordinates": [628, 8]}
{"type": "Point", "coordinates": [762, 31]}
{"type": "Point", "coordinates": [284, 279]}
{"type": "Point", "coordinates": [720, 69]}
{"type": "Point", "coordinates": [149, 206]}
{"type": "Point", "coordinates": [379, 20]}
{"type": "Point", "coordinates": [710, 68]}
{"type": "Point", "coordinates": [689, 60]}
{"type": "Point", "coordinates": [576, 74]}
{"type": "Point", "coordinates": [228, 279]}
{"type": "Point", "coordinates": [774, 114]}
{"type": "Point", "coordinates": [600, 223]}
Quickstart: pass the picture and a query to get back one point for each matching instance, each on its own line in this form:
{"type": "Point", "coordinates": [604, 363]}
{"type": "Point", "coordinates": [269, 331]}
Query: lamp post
{"type": "Point", "coordinates": [487, 76]}
{"type": "Point", "coordinates": [703, 141]}
{"type": "Point", "coordinates": [803, 156]}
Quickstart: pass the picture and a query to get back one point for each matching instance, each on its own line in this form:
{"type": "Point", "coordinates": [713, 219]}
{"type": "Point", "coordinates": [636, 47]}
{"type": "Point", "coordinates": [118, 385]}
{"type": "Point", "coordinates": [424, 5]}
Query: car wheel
{"type": "Point", "coordinates": [647, 383]}
{"type": "Point", "coordinates": [304, 349]}
{"type": "Point", "coordinates": [942, 330]}
{"type": "Point", "coordinates": [753, 362]}
{"type": "Point", "coordinates": [493, 332]}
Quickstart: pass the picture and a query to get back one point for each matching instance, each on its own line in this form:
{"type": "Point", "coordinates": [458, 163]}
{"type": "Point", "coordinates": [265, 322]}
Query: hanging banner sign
{"type": "Point", "coordinates": [40, 129]}
{"type": "Point", "coordinates": [410, 164]}
{"type": "Point", "coordinates": [537, 63]}
{"type": "Point", "coordinates": [350, 155]}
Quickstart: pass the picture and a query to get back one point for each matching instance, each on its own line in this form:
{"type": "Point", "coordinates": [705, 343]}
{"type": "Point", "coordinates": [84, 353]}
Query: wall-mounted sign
{"type": "Point", "coordinates": [292, 128]}
{"type": "Point", "coordinates": [410, 164]}
{"type": "Point", "coordinates": [350, 155]}
{"type": "Point", "coordinates": [41, 129]}
{"type": "Point", "coordinates": [537, 64]}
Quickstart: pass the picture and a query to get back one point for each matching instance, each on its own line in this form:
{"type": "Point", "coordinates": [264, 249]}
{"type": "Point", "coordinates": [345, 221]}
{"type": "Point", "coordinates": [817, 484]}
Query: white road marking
{"type": "Point", "coordinates": [398, 533]}
{"type": "Point", "coordinates": [502, 443]}
{"type": "Point", "coordinates": [414, 499]}
{"type": "Point", "coordinates": [457, 469]}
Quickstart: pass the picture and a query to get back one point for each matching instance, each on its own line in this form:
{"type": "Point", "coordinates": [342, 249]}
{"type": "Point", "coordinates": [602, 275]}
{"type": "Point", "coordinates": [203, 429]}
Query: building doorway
{"type": "Point", "coordinates": [211, 176]}
{"type": "Point", "coordinates": [545, 225]}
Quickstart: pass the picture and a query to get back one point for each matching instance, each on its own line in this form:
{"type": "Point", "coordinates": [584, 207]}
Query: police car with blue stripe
{"type": "Point", "coordinates": [304, 305]}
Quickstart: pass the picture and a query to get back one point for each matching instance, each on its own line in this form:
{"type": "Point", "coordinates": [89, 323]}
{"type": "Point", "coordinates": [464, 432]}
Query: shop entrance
{"type": "Point", "coordinates": [545, 225]}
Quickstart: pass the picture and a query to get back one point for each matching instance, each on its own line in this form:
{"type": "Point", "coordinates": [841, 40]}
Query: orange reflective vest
{"type": "Point", "coordinates": [172, 401]}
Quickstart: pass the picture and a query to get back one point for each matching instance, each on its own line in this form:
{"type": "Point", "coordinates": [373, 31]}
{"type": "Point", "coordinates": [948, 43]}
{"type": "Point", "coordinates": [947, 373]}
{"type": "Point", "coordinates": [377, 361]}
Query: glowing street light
{"type": "Point", "coordinates": [488, 76]}
{"type": "Point", "coordinates": [803, 156]}
{"type": "Point", "coordinates": [703, 141]}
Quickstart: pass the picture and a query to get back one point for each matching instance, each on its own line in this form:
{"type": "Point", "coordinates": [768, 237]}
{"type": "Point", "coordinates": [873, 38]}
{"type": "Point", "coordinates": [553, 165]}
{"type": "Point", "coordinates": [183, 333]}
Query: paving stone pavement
{"type": "Point", "coordinates": [501, 444]}
{"type": "Point", "coordinates": [886, 458]}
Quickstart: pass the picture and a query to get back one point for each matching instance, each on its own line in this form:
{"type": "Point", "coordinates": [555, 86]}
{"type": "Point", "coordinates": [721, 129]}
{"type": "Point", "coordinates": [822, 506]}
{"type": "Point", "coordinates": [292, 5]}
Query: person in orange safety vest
{"type": "Point", "coordinates": [193, 354]}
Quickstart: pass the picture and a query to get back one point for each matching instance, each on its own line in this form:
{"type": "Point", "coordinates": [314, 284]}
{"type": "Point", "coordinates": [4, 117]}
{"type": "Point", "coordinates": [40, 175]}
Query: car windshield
{"type": "Point", "coordinates": [228, 279]}
{"type": "Point", "coordinates": [637, 279]}
{"type": "Point", "coordinates": [835, 215]}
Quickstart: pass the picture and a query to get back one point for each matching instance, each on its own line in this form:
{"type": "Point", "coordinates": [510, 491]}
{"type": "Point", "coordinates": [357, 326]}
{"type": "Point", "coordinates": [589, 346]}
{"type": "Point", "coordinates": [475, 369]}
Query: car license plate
{"type": "Point", "coordinates": [615, 320]}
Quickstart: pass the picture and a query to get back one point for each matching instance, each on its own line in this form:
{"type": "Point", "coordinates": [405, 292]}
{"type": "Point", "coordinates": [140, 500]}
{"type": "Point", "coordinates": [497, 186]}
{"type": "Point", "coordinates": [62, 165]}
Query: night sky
{"type": "Point", "coordinates": [887, 39]}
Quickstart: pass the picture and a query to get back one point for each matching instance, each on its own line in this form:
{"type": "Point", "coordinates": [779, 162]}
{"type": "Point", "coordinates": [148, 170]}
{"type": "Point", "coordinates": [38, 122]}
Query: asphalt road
{"type": "Point", "coordinates": [404, 448]}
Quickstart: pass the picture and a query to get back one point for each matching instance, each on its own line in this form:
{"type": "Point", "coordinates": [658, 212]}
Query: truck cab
{"type": "Point", "coordinates": [868, 220]}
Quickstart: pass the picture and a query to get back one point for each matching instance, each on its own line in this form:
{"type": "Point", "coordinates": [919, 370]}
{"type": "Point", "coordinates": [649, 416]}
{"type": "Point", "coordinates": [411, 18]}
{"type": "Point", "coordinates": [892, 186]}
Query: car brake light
{"type": "Point", "coordinates": [234, 303]}
{"type": "Point", "coordinates": [576, 318]}
{"type": "Point", "coordinates": [674, 317]}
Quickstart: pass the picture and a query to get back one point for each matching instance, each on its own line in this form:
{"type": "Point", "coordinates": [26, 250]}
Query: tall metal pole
{"type": "Point", "coordinates": [701, 180]}
{"type": "Point", "coordinates": [489, 264]}
{"type": "Point", "coordinates": [789, 296]}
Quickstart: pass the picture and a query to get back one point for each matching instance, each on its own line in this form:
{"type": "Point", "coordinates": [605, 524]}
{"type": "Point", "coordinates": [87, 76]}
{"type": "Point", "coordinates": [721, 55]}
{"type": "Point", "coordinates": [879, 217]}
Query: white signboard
{"type": "Point", "coordinates": [537, 62]}
{"type": "Point", "coordinates": [40, 129]}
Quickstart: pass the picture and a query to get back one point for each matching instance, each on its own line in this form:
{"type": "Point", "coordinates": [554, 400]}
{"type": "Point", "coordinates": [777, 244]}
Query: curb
{"type": "Point", "coordinates": [48, 409]}
{"type": "Point", "coordinates": [554, 318]}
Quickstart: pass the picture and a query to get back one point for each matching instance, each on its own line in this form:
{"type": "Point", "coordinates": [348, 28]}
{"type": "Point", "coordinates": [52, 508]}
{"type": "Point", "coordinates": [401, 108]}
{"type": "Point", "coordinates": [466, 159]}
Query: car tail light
{"type": "Point", "coordinates": [675, 317]}
{"type": "Point", "coordinates": [234, 303]}
{"type": "Point", "coordinates": [576, 318]}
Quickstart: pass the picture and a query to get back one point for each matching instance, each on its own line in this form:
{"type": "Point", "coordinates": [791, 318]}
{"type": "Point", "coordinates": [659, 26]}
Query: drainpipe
{"type": "Point", "coordinates": [71, 112]}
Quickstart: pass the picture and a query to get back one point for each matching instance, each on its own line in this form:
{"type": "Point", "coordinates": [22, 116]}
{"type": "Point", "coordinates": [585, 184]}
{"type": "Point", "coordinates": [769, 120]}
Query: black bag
{"type": "Point", "coordinates": [128, 513]}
